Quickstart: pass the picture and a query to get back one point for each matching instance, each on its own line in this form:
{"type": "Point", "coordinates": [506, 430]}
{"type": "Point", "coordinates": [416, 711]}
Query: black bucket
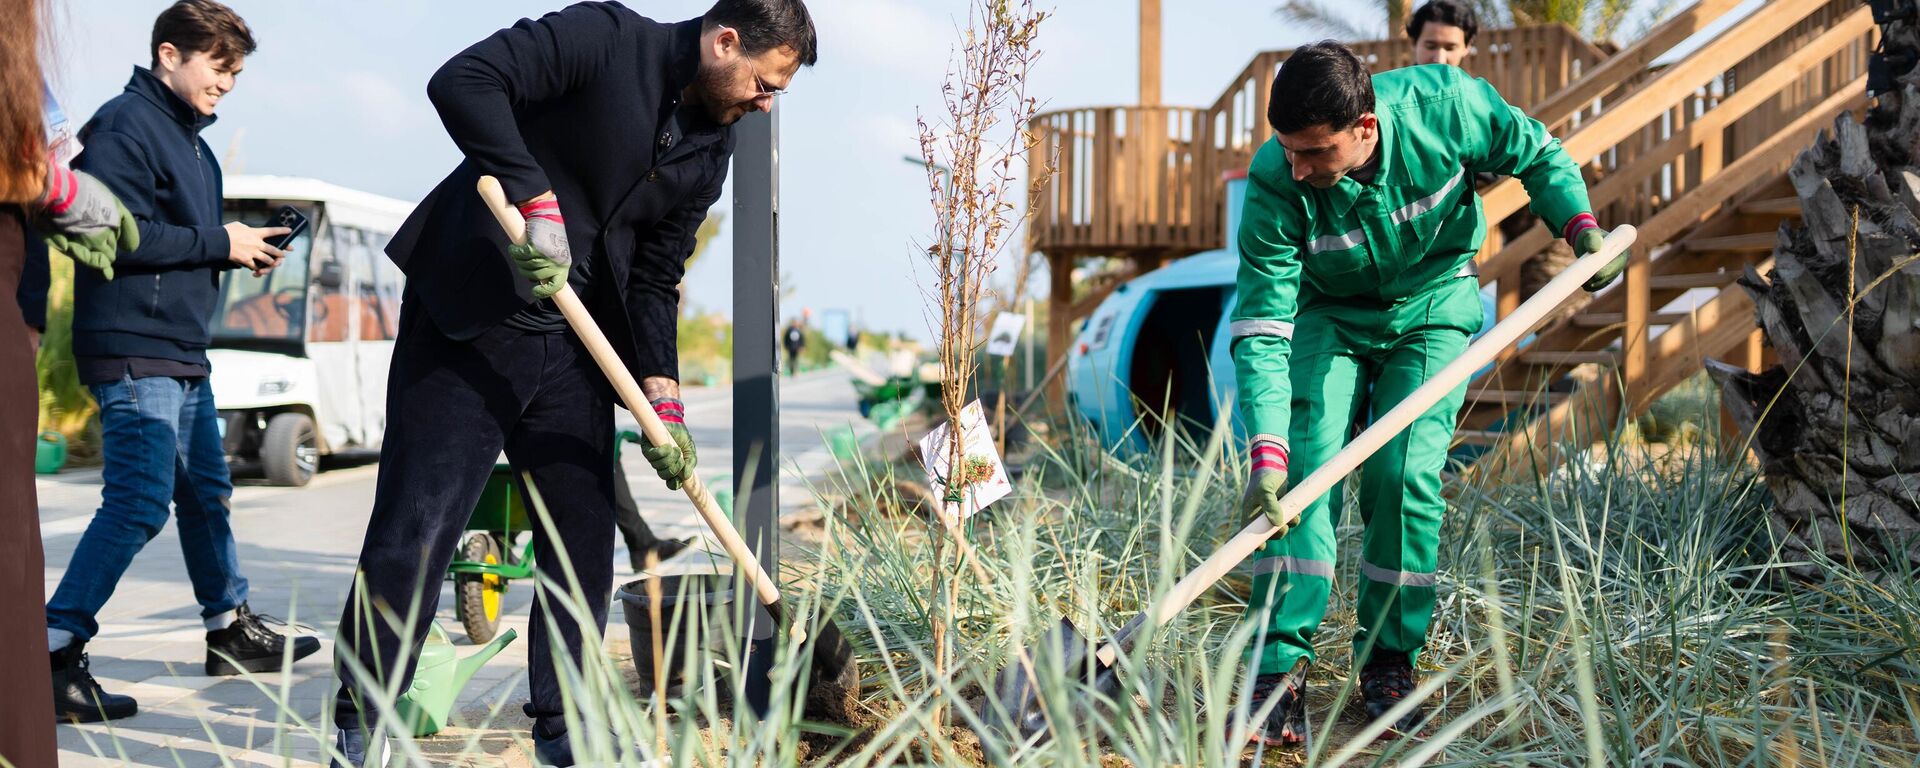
{"type": "Point", "coordinates": [687, 604]}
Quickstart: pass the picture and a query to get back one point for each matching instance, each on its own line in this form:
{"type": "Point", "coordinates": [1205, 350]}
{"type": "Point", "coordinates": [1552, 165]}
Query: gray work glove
{"type": "Point", "coordinates": [1588, 242]}
{"type": "Point", "coordinates": [673, 461]}
{"type": "Point", "coordinates": [544, 258]}
{"type": "Point", "coordinates": [83, 219]}
{"type": "Point", "coordinates": [1266, 483]}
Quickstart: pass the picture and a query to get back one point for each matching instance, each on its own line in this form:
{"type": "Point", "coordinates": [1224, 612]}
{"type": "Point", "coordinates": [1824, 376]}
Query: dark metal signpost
{"type": "Point", "coordinates": [756, 292]}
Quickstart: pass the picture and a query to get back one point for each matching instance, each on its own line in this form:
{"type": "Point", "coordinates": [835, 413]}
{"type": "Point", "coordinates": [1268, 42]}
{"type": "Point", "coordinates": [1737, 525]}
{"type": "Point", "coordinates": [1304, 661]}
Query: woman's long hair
{"type": "Point", "coordinates": [23, 133]}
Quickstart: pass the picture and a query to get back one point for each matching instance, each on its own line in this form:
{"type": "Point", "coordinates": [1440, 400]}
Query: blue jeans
{"type": "Point", "coordinates": [160, 439]}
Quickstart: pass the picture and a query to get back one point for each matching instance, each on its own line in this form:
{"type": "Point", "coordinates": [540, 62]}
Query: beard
{"type": "Point", "coordinates": [710, 86]}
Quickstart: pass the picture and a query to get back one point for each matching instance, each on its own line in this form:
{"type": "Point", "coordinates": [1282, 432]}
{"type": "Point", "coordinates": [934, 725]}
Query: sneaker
{"type": "Point", "coordinates": [361, 749]}
{"type": "Point", "coordinates": [1384, 683]}
{"type": "Point", "coordinates": [77, 697]}
{"type": "Point", "coordinates": [1286, 723]}
{"type": "Point", "coordinates": [247, 645]}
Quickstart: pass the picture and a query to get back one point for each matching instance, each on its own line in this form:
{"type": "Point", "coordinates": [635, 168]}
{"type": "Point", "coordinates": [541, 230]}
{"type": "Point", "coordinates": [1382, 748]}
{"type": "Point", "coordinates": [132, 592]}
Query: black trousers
{"type": "Point", "coordinates": [451, 408]}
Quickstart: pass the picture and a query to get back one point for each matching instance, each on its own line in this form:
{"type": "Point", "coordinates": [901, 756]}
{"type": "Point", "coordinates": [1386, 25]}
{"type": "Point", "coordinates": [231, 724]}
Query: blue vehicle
{"type": "Point", "coordinates": [1159, 344]}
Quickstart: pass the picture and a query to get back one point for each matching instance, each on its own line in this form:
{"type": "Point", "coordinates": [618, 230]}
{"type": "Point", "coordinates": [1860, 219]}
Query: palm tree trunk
{"type": "Point", "coordinates": [1836, 426]}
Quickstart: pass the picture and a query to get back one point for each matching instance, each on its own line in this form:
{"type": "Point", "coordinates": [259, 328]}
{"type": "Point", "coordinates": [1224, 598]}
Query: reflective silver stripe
{"type": "Point", "coordinates": [1469, 269]}
{"type": "Point", "coordinates": [1275, 439]}
{"type": "Point", "coordinates": [1290, 564]}
{"type": "Point", "coordinates": [1389, 576]}
{"type": "Point", "coordinates": [1244, 328]}
{"type": "Point", "coordinates": [1422, 205]}
{"type": "Point", "coordinates": [1337, 242]}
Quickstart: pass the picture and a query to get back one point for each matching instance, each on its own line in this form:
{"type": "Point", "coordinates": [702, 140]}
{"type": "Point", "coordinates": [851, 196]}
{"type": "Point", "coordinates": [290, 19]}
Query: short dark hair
{"type": "Point", "coordinates": [1445, 12]}
{"type": "Point", "coordinates": [196, 26]}
{"type": "Point", "coordinates": [1320, 84]}
{"type": "Point", "coordinates": [768, 24]}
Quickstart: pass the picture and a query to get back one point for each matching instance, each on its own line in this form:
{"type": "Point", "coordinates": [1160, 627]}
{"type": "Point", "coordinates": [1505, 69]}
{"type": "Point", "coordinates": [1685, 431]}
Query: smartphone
{"type": "Point", "coordinates": [291, 218]}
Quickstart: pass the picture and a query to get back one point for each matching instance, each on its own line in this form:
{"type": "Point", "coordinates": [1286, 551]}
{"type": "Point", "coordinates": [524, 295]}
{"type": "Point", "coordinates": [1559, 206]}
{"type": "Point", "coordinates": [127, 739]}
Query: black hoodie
{"type": "Point", "coordinates": [145, 145]}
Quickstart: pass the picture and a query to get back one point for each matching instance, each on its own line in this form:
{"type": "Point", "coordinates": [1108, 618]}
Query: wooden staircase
{"type": "Point", "coordinates": [1692, 152]}
{"type": "Point", "coordinates": [1695, 157]}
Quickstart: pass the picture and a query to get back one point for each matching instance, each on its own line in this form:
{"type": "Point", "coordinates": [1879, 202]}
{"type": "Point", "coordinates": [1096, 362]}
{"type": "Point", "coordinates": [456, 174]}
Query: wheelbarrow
{"type": "Point", "coordinates": [487, 560]}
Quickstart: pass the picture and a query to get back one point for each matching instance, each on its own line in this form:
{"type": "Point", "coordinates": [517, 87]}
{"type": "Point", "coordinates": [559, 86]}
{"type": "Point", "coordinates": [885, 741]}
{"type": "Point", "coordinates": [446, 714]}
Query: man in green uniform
{"type": "Point", "coordinates": [1356, 284]}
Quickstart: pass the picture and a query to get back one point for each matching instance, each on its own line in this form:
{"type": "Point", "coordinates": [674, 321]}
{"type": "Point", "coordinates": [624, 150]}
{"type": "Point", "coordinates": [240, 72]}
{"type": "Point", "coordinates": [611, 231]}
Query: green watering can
{"type": "Point", "coordinates": [438, 678]}
{"type": "Point", "coordinates": [50, 452]}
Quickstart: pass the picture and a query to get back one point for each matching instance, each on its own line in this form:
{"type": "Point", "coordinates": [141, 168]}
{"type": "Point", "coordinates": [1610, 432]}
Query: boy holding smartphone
{"type": "Point", "coordinates": [140, 340]}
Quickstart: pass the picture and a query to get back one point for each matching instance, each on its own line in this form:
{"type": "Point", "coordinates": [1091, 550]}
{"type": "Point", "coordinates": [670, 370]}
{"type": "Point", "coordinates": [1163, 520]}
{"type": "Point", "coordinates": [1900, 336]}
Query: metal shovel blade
{"type": "Point", "coordinates": [830, 686]}
{"type": "Point", "coordinates": [1022, 688]}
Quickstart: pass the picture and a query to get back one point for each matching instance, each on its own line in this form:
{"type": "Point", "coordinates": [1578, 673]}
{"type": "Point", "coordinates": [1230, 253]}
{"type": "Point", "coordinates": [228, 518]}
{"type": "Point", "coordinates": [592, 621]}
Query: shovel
{"type": "Point", "coordinates": [833, 667]}
{"type": "Point", "coordinates": [1019, 704]}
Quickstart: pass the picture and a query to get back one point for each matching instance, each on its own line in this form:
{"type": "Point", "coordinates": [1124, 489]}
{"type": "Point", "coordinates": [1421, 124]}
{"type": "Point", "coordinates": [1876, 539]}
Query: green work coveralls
{"type": "Point", "coordinates": [1350, 298]}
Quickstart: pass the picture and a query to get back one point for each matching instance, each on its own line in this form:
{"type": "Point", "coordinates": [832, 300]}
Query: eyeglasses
{"type": "Point", "coordinates": [759, 86]}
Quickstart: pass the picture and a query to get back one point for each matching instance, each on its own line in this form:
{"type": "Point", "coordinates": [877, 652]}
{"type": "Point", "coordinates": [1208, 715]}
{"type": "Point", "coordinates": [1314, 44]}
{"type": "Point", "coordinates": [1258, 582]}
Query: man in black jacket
{"type": "Point", "coordinates": [140, 344]}
{"type": "Point", "coordinates": [611, 132]}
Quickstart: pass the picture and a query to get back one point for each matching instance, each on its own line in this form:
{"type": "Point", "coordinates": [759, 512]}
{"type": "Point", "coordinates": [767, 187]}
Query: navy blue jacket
{"type": "Point", "coordinates": [584, 101]}
{"type": "Point", "coordinates": [35, 280]}
{"type": "Point", "coordinates": [145, 145]}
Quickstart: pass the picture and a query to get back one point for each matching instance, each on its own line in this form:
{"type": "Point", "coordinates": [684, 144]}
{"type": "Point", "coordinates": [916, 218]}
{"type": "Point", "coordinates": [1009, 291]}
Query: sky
{"type": "Point", "coordinates": [336, 91]}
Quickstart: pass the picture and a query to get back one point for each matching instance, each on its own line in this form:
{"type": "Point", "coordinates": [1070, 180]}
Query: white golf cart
{"type": "Point", "coordinates": [300, 356]}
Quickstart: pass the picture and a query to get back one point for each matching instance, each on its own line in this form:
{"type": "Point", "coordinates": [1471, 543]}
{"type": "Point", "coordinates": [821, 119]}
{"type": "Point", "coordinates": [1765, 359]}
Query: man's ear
{"type": "Point", "coordinates": [166, 56]}
{"type": "Point", "coordinates": [726, 40]}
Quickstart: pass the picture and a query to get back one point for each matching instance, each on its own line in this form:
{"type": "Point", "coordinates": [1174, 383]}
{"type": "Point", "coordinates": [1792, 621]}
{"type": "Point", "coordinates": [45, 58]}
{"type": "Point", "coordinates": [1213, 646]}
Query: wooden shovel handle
{"type": "Point", "coordinates": [1456, 373]}
{"type": "Point", "coordinates": [629, 390]}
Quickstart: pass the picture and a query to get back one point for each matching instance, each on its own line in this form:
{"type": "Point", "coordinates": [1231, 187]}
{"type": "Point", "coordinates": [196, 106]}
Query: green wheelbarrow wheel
{"type": "Point", "coordinates": [486, 561]}
{"type": "Point", "coordinates": [477, 595]}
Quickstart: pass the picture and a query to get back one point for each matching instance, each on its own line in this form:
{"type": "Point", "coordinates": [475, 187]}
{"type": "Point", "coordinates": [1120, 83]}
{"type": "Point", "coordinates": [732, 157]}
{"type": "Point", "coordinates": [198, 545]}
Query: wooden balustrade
{"type": "Point", "coordinates": [1126, 178]}
{"type": "Point", "coordinates": [1683, 127]}
{"type": "Point", "coordinates": [1149, 178]}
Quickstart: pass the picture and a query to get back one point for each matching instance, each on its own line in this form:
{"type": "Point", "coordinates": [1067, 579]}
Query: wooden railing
{"type": "Point", "coordinates": [1527, 65]}
{"type": "Point", "coordinates": [1149, 178]}
{"type": "Point", "coordinates": [1126, 178]}
{"type": "Point", "coordinates": [1661, 157]}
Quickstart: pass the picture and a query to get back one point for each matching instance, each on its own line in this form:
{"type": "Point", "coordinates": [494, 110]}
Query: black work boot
{"type": "Point", "coordinates": [1386, 681]}
{"type": "Point", "coordinates": [77, 697]}
{"type": "Point", "coordinates": [247, 645]}
{"type": "Point", "coordinates": [1285, 725]}
{"type": "Point", "coordinates": [552, 751]}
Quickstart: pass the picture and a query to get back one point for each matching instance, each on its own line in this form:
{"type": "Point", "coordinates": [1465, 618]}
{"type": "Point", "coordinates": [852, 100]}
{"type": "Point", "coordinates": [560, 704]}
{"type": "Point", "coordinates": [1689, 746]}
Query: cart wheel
{"type": "Point", "coordinates": [289, 451]}
{"type": "Point", "coordinates": [479, 593]}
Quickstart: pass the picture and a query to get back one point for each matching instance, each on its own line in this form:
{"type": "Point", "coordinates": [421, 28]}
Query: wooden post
{"type": "Point", "coordinates": [1149, 53]}
{"type": "Point", "coordinates": [1059, 323]}
{"type": "Point", "coordinates": [1633, 344]}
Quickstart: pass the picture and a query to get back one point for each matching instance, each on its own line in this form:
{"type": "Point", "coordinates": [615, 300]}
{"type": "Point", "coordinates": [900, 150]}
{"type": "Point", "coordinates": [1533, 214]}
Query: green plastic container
{"type": "Point", "coordinates": [843, 444]}
{"type": "Point", "coordinates": [438, 677]}
{"type": "Point", "coordinates": [722, 489]}
{"type": "Point", "coordinates": [49, 452]}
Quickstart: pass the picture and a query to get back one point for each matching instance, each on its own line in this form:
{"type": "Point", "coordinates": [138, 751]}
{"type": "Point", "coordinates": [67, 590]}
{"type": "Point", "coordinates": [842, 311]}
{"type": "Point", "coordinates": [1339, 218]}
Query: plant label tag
{"type": "Point", "coordinates": [1006, 334]}
{"type": "Point", "coordinates": [982, 478]}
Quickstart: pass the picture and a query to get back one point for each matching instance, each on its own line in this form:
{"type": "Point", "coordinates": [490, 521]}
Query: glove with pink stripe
{"type": "Point", "coordinates": [544, 258]}
{"type": "Point", "coordinates": [1266, 482]}
{"type": "Point", "coordinates": [1583, 232]}
{"type": "Point", "coordinates": [673, 461]}
{"type": "Point", "coordinates": [83, 219]}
